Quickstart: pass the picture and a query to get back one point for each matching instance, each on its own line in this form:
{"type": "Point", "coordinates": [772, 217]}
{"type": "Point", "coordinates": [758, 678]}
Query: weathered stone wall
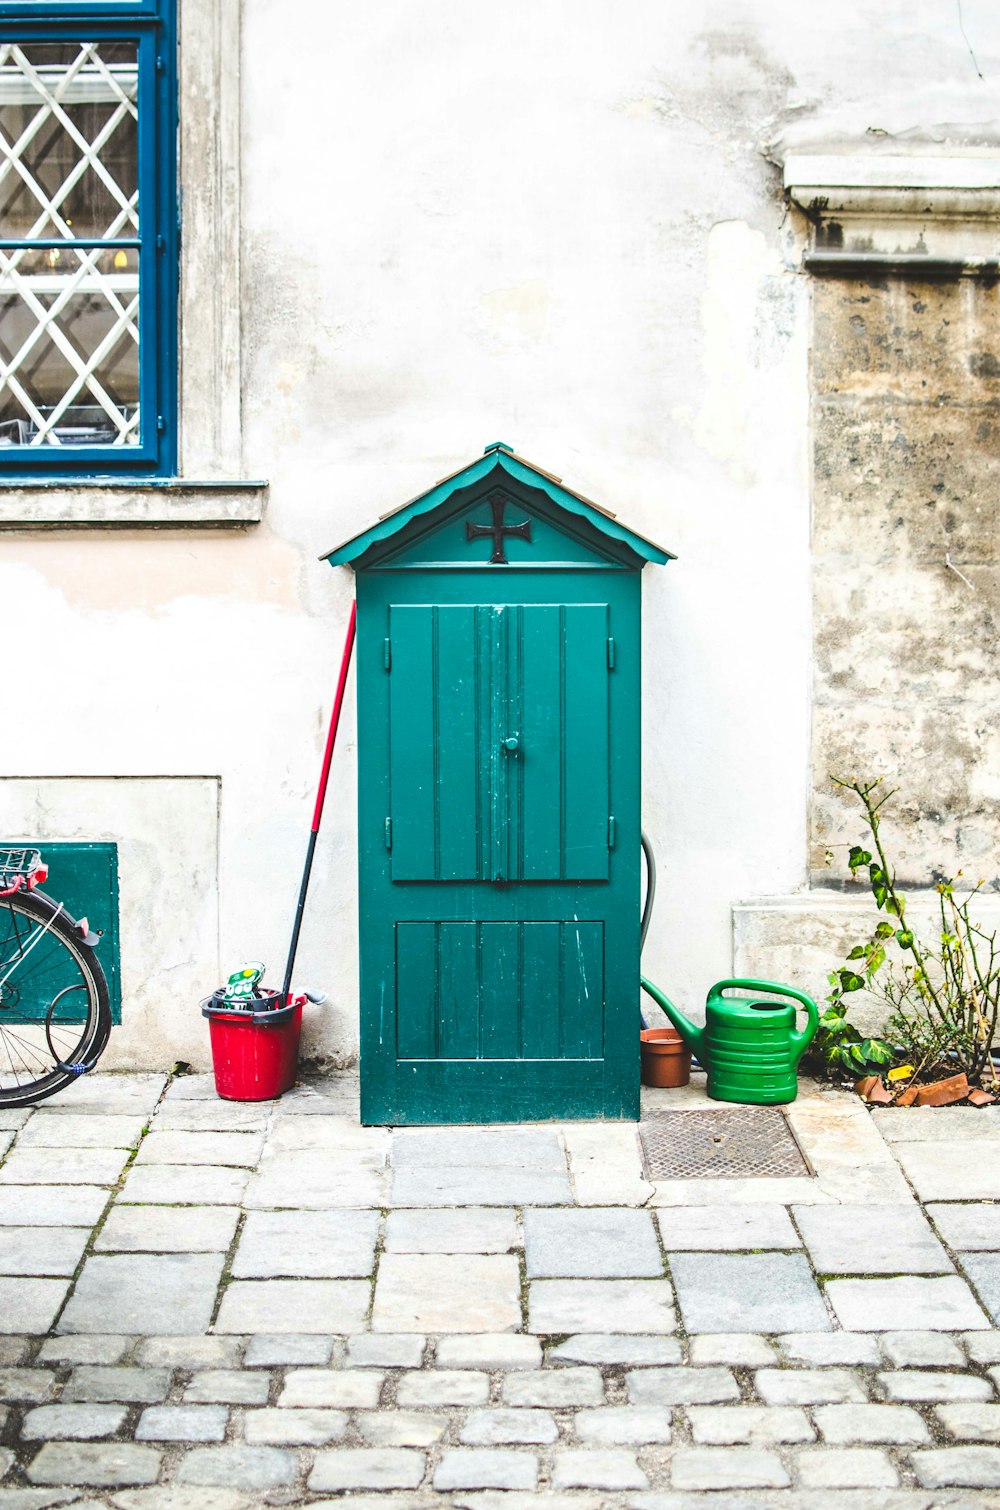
{"type": "Point", "coordinates": [906, 520]}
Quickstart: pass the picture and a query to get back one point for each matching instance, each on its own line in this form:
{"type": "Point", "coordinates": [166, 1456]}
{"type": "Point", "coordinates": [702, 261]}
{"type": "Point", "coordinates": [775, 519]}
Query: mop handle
{"type": "Point", "coordinates": [331, 740]}
{"type": "Point", "coordinates": [338, 703]}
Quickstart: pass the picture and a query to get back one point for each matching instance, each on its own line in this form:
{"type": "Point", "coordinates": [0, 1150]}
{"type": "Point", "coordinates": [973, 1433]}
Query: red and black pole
{"type": "Point", "coordinates": [331, 740]}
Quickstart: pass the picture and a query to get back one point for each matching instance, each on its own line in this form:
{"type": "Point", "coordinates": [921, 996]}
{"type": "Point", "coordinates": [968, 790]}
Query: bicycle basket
{"type": "Point", "coordinates": [20, 868]}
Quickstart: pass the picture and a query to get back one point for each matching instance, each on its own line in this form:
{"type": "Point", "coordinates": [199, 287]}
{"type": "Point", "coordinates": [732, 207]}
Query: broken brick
{"type": "Point", "coordinates": [943, 1092]}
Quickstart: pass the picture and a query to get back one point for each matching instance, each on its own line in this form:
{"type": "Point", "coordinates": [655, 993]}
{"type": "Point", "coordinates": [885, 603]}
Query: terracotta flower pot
{"type": "Point", "coordinates": [666, 1058]}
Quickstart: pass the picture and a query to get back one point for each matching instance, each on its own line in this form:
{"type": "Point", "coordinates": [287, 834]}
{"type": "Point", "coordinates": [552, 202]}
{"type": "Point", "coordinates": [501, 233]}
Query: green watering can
{"type": "Point", "coordinates": [749, 1048]}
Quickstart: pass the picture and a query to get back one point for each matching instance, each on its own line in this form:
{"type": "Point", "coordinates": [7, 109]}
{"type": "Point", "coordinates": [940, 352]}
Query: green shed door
{"type": "Point", "coordinates": [498, 742]}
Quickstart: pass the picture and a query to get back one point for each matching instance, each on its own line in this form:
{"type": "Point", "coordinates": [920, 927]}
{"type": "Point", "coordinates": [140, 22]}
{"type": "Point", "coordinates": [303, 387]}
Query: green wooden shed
{"type": "Point", "coordinates": [499, 778]}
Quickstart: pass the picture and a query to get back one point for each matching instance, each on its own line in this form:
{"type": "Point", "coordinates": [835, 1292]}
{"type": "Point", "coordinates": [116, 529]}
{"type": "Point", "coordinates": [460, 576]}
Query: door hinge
{"type": "Point", "coordinates": [387, 654]}
{"type": "Point", "coordinates": [611, 652]}
{"type": "Point", "coordinates": [388, 833]}
{"type": "Point", "coordinates": [611, 833]}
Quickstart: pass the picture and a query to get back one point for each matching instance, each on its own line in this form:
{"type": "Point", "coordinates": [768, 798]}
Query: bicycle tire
{"type": "Point", "coordinates": [40, 948]}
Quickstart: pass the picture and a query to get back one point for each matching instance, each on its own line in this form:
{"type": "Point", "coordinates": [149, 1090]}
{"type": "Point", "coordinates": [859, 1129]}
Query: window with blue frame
{"type": "Point", "coordinates": [88, 237]}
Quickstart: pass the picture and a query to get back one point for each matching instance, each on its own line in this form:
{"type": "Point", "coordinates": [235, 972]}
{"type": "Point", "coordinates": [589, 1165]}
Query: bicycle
{"type": "Point", "coordinates": [55, 1009]}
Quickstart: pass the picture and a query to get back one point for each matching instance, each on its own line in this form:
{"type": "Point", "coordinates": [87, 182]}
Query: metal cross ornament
{"type": "Point", "coordinates": [497, 530]}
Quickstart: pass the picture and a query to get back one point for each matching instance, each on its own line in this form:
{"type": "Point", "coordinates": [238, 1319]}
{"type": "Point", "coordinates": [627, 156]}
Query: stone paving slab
{"type": "Point", "coordinates": [239, 1149]}
{"type": "Point", "coordinates": [447, 1292]}
{"type": "Point", "coordinates": [467, 1185]}
{"type": "Point", "coordinates": [183, 1185]}
{"type": "Point", "coordinates": [938, 1124]}
{"type": "Point", "coordinates": [307, 1182]}
{"type": "Point", "coordinates": [983, 1270]}
{"type": "Point", "coordinates": [531, 1148]}
{"type": "Point", "coordinates": [63, 1166]}
{"type": "Point", "coordinates": [164, 1293]}
{"type": "Point", "coordinates": [846, 1240]}
{"type": "Point", "coordinates": [31, 1306]}
{"type": "Point", "coordinates": [307, 1244]}
{"type": "Point", "coordinates": [42, 1250]}
{"type": "Point", "coordinates": [168, 1229]}
{"type": "Point", "coordinates": [294, 1305]}
{"type": "Point", "coordinates": [607, 1243]}
{"type": "Point", "coordinates": [967, 1228]}
{"type": "Point", "coordinates": [605, 1165]}
{"type": "Point", "coordinates": [747, 1292]}
{"type": "Point", "coordinates": [52, 1205]}
{"type": "Point", "coordinates": [967, 1170]}
{"type": "Point", "coordinates": [76, 1130]}
{"type": "Point", "coordinates": [340, 1138]}
{"type": "Point", "coordinates": [748, 1192]}
{"type": "Point", "coordinates": [213, 1116]}
{"type": "Point", "coordinates": [869, 1305]}
{"type": "Point", "coordinates": [106, 1094]}
{"type": "Point", "coordinates": [601, 1305]}
{"type": "Point", "coordinates": [722, 1228]}
{"type": "Point", "coordinates": [474, 1230]}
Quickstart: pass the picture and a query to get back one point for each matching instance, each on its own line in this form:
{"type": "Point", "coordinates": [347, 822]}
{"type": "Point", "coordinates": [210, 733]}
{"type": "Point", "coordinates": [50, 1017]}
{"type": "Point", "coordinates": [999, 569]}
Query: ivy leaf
{"type": "Point", "coordinates": [896, 905]}
{"type": "Point", "coordinates": [858, 952]}
{"type": "Point", "coordinates": [904, 938]}
{"type": "Point", "coordinates": [876, 1051]}
{"type": "Point", "coordinates": [849, 981]}
{"type": "Point", "coordinates": [875, 960]}
{"type": "Point", "coordinates": [856, 1053]}
{"type": "Point", "coordinates": [858, 857]}
{"type": "Point", "coordinates": [883, 931]}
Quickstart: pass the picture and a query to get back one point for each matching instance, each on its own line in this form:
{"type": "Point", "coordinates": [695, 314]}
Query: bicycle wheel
{"type": "Point", "coordinates": [55, 1012]}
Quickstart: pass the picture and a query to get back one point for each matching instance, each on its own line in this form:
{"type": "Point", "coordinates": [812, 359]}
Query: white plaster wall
{"type": "Point", "coordinates": [552, 225]}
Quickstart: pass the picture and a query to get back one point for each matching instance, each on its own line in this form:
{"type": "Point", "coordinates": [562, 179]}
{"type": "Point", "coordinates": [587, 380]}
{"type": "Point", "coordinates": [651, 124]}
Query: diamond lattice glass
{"type": "Point", "coordinates": [69, 292]}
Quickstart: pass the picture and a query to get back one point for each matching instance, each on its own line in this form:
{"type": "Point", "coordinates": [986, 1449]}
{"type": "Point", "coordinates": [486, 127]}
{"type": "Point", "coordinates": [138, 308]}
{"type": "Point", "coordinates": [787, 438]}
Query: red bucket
{"type": "Point", "coordinates": [255, 1054]}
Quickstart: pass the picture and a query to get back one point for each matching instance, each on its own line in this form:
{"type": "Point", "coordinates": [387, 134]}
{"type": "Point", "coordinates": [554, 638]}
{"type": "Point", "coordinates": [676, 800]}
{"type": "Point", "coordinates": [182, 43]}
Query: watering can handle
{"type": "Point", "coordinates": [802, 1039]}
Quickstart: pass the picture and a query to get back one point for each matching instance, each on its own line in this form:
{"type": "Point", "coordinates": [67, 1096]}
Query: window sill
{"type": "Point", "coordinates": [72, 503]}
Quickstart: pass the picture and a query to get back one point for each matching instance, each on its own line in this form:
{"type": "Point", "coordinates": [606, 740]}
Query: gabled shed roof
{"type": "Point", "coordinates": [497, 457]}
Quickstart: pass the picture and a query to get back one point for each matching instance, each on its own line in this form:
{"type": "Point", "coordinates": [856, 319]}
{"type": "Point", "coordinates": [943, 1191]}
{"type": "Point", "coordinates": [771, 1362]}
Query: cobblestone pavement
{"type": "Point", "coordinates": [219, 1306]}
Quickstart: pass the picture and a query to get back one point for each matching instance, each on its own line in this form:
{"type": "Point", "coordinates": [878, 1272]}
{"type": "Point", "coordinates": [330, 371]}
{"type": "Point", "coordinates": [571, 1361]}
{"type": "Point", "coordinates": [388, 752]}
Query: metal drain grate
{"type": "Point", "coordinates": [735, 1142]}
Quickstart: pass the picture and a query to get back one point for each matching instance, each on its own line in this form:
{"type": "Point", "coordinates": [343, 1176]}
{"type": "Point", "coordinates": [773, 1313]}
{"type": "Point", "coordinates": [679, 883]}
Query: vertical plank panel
{"type": "Point", "coordinates": [457, 794]}
{"type": "Point", "coordinates": [484, 725]}
{"type": "Point", "coordinates": [500, 1002]}
{"type": "Point", "coordinates": [541, 765]}
{"type": "Point", "coordinates": [416, 979]}
{"type": "Point", "coordinates": [411, 742]}
{"type": "Point", "coordinates": [541, 993]}
{"type": "Point", "coordinates": [458, 991]}
{"type": "Point", "coordinates": [500, 823]}
{"type": "Point", "coordinates": [582, 1007]}
{"type": "Point", "coordinates": [585, 747]}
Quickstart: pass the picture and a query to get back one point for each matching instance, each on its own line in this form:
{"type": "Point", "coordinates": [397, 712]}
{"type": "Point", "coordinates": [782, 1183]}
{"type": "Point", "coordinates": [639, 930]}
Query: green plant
{"type": "Point", "coordinates": [838, 1047]}
{"type": "Point", "coordinates": [945, 997]}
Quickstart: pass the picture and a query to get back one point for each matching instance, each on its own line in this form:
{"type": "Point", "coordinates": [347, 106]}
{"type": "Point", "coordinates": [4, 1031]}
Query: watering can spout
{"type": "Point", "coordinates": [692, 1036]}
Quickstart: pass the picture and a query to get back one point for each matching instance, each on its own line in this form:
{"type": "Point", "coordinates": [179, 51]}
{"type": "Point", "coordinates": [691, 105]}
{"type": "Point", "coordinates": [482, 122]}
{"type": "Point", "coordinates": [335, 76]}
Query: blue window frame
{"type": "Point", "coordinates": [88, 237]}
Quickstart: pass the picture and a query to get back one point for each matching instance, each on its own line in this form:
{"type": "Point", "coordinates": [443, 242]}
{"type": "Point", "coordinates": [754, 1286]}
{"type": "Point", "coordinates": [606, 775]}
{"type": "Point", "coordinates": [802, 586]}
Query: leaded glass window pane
{"type": "Point", "coordinates": [69, 294]}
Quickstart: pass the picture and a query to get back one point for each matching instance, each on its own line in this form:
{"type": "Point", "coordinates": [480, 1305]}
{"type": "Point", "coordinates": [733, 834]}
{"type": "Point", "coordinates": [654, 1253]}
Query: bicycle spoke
{"type": "Point", "coordinates": [54, 1010]}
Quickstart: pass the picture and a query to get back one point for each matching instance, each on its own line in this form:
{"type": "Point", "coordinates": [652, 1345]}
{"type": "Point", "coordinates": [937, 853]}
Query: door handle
{"type": "Point", "coordinates": [512, 744]}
